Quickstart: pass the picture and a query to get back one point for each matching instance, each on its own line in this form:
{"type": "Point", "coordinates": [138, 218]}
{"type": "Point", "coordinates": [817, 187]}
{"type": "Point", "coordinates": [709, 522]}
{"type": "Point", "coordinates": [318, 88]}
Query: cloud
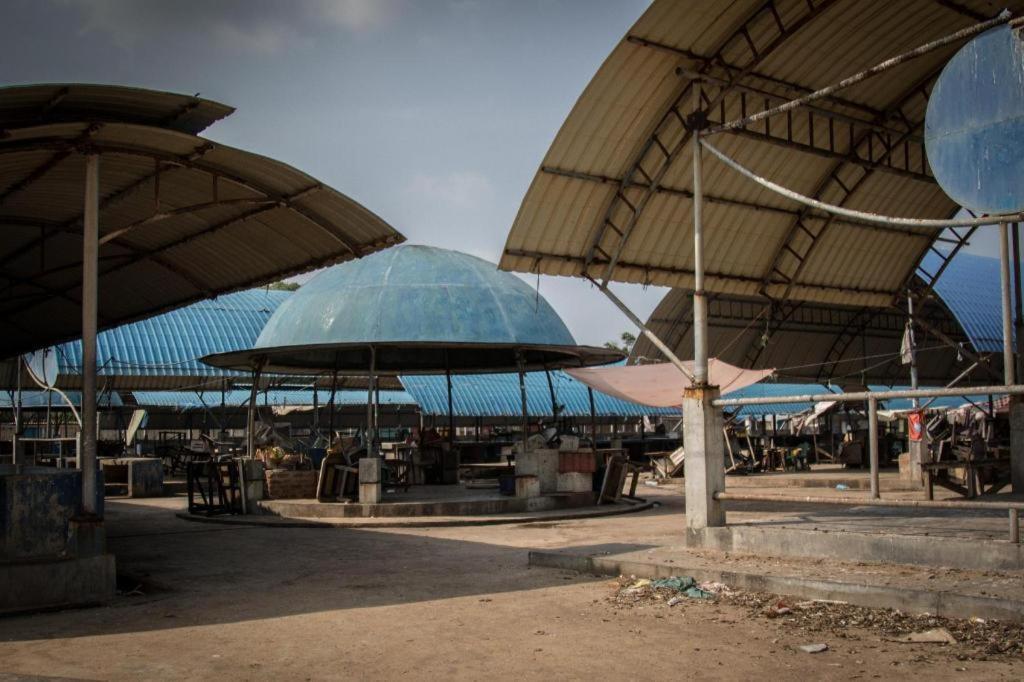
{"type": "Point", "coordinates": [461, 189]}
{"type": "Point", "coordinates": [261, 26]}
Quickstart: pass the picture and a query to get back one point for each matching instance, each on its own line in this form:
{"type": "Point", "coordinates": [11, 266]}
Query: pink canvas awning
{"type": "Point", "coordinates": [661, 384]}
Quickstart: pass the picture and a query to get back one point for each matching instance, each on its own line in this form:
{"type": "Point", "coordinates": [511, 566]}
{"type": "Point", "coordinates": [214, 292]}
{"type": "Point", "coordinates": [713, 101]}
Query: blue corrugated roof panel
{"type": "Point", "coordinates": [38, 399]}
{"type": "Point", "coordinates": [498, 395]}
{"type": "Point", "coordinates": [171, 344]}
{"type": "Point", "coordinates": [277, 398]}
{"type": "Point", "coordinates": [970, 289]}
{"type": "Point", "coordinates": [769, 390]}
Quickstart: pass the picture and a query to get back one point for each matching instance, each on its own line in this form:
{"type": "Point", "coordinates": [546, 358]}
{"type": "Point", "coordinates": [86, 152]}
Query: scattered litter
{"type": "Point", "coordinates": [814, 648]}
{"type": "Point", "coordinates": [842, 486]}
{"type": "Point", "coordinates": [675, 600]}
{"type": "Point", "coordinates": [978, 621]}
{"type": "Point", "coordinates": [933, 636]}
{"type": "Point", "coordinates": [779, 608]}
{"type": "Point", "coordinates": [685, 584]}
{"type": "Point", "coordinates": [653, 484]}
{"type": "Point", "coordinates": [715, 588]}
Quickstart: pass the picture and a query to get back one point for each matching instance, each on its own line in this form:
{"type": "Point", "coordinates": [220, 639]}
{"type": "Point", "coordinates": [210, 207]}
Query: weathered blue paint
{"type": "Point", "coordinates": [38, 399]}
{"type": "Point", "coordinates": [415, 294]}
{"type": "Point", "coordinates": [770, 390]}
{"type": "Point", "coordinates": [974, 128]}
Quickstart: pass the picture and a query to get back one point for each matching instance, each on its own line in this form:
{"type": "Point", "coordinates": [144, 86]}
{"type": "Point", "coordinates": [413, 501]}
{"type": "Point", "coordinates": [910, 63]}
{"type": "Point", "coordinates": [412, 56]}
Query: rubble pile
{"type": "Point", "coordinates": [966, 639]}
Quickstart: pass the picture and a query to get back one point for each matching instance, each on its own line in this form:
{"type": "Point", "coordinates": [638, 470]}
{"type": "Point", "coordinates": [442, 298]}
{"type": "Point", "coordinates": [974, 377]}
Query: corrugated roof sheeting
{"type": "Point", "coordinates": [769, 390]}
{"type": "Point", "coordinates": [811, 342]}
{"type": "Point", "coordinates": [224, 219]}
{"type": "Point", "coordinates": [29, 105]}
{"type": "Point", "coordinates": [609, 132]}
{"type": "Point", "coordinates": [187, 400]}
{"type": "Point", "coordinates": [498, 395]}
{"type": "Point", "coordinates": [38, 399]}
{"type": "Point", "coordinates": [164, 351]}
{"type": "Point", "coordinates": [971, 289]}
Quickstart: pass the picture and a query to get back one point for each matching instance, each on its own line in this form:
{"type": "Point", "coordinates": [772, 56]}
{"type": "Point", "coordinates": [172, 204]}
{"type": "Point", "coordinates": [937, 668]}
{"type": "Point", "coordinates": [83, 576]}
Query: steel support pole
{"type": "Point", "coordinates": [370, 426]}
{"type": "Point", "coordinates": [873, 445]}
{"type": "Point", "coordinates": [700, 304]}
{"type": "Point", "coordinates": [250, 422]}
{"type": "Point", "coordinates": [1018, 304]}
{"type": "Point", "coordinates": [551, 390]}
{"type": "Point", "coordinates": [593, 420]}
{"type": "Point", "coordinates": [522, 398]}
{"type": "Point", "coordinates": [916, 402]}
{"type": "Point", "coordinates": [1004, 278]}
{"type": "Point", "coordinates": [451, 411]}
{"type": "Point", "coordinates": [90, 268]}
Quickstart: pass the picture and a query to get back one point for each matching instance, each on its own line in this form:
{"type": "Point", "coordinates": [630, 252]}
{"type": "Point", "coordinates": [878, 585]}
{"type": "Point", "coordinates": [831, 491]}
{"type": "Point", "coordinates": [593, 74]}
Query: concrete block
{"type": "Point", "coordinates": [704, 465]}
{"type": "Point", "coordinates": [582, 461]}
{"type": "Point", "coordinates": [283, 484]}
{"type": "Point", "coordinates": [575, 482]}
{"type": "Point", "coordinates": [527, 485]}
{"type": "Point", "coordinates": [369, 493]}
{"type": "Point", "coordinates": [35, 513]}
{"type": "Point", "coordinates": [542, 463]}
{"type": "Point", "coordinates": [569, 443]}
{"type": "Point", "coordinates": [82, 581]}
{"type": "Point", "coordinates": [370, 470]}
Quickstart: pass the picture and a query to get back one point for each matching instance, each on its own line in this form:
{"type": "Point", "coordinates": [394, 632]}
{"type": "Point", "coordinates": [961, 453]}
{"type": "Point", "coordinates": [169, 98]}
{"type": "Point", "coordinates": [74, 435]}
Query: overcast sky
{"type": "Point", "coordinates": [433, 113]}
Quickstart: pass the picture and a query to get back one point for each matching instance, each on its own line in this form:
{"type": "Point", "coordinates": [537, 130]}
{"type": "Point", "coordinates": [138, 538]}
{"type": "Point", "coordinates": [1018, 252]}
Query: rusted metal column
{"type": "Point", "coordinates": [873, 445]}
{"type": "Point", "coordinates": [90, 284]}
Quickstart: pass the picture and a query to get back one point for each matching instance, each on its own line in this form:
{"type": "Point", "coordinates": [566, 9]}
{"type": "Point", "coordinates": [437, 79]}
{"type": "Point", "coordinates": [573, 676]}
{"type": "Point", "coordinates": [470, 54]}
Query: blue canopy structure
{"type": "Point", "coordinates": [39, 399]}
{"type": "Point", "coordinates": [498, 395]}
{"type": "Point", "coordinates": [415, 309]}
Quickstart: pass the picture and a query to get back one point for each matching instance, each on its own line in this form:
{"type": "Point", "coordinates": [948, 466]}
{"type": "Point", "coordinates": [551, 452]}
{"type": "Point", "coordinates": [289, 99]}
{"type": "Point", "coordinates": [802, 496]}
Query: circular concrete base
{"type": "Point", "coordinates": [422, 521]}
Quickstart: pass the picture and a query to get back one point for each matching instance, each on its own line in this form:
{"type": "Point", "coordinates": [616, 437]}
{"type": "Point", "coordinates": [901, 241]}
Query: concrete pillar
{"type": "Point", "coordinates": [370, 474]}
{"type": "Point", "coordinates": [705, 459]}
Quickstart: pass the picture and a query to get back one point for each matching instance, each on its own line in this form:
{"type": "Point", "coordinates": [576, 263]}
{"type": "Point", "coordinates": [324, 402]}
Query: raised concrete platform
{"type": "Point", "coordinates": [953, 594]}
{"type": "Point", "coordinates": [57, 583]}
{"type": "Point", "coordinates": [429, 501]}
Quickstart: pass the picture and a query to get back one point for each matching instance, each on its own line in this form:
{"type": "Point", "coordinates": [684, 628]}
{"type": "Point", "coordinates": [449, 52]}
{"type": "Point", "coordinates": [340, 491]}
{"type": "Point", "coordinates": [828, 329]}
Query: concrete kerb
{"type": "Point", "coordinates": [947, 604]}
{"type": "Point", "coordinates": [268, 521]}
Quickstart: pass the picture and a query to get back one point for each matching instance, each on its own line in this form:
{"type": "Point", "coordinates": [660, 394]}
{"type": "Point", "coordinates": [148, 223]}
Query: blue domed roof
{"type": "Point", "coordinates": [423, 309]}
{"type": "Point", "coordinates": [415, 293]}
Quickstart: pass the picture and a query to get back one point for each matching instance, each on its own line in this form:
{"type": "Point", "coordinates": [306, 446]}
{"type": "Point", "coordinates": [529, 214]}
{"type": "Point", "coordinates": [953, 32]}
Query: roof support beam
{"type": "Point", "coordinates": [673, 132]}
{"type": "Point", "coordinates": [726, 201]}
{"type": "Point", "coordinates": [687, 272]}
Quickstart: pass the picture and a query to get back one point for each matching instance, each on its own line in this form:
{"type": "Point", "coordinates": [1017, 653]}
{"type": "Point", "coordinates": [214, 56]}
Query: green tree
{"type": "Point", "coordinates": [625, 343]}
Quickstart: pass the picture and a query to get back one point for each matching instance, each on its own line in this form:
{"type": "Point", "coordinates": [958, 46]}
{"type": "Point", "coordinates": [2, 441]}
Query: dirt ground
{"type": "Point", "coordinates": [207, 601]}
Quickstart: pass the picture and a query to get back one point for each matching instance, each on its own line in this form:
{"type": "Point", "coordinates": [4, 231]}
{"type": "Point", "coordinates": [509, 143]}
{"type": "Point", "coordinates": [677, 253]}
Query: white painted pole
{"type": "Point", "coordinates": [873, 445]}
{"type": "Point", "coordinates": [700, 310]}
{"type": "Point", "coordinates": [90, 267]}
{"type": "Point", "coordinates": [1004, 278]}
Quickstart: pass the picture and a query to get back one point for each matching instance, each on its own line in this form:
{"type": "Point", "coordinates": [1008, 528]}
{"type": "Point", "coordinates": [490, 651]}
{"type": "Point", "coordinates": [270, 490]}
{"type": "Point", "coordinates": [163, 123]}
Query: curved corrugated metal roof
{"type": "Point", "coordinates": [23, 106]}
{"type": "Point", "coordinates": [423, 309]}
{"type": "Point", "coordinates": [187, 400]}
{"type": "Point", "coordinates": [181, 219]}
{"type": "Point", "coordinates": [163, 351]}
{"type": "Point", "coordinates": [970, 288]}
{"type": "Point", "coordinates": [843, 344]}
{"type": "Point", "coordinates": [498, 395]}
{"type": "Point", "coordinates": [805, 341]}
{"type": "Point", "coordinates": [613, 196]}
